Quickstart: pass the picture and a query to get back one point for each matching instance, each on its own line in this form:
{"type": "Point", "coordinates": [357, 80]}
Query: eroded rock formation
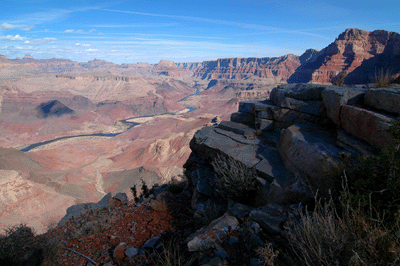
{"type": "Point", "coordinates": [276, 69]}
{"type": "Point", "coordinates": [304, 133]}
{"type": "Point", "coordinates": [357, 53]}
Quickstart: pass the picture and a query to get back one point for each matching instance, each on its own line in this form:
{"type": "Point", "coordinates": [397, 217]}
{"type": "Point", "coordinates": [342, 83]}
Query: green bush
{"type": "Point", "coordinates": [234, 180]}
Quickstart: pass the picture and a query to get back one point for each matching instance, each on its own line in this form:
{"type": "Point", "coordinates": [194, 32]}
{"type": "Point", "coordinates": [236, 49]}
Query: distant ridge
{"type": "Point", "coordinates": [275, 68]}
{"type": "Point", "coordinates": [357, 53]}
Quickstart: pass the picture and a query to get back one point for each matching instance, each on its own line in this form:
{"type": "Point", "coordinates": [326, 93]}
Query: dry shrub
{"type": "Point", "coordinates": [339, 80]}
{"type": "Point", "coordinates": [382, 78]}
{"type": "Point", "coordinates": [322, 237]}
{"type": "Point", "coordinates": [269, 254]}
{"type": "Point", "coordinates": [234, 180]}
{"type": "Point", "coordinates": [21, 246]}
{"type": "Point", "coordinates": [170, 254]}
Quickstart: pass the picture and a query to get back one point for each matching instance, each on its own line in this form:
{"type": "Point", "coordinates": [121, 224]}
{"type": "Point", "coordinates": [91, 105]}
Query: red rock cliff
{"type": "Point", "coordinates": [277, 68]}
{"type": "Point", "coordinates": [360, 53]}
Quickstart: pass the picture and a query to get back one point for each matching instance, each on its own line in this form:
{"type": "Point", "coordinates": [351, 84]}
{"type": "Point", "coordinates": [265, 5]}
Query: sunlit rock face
{"type": "Point", "coordinates": [358, 53]}
{"type": "Point", "coordinates": [277, 69]}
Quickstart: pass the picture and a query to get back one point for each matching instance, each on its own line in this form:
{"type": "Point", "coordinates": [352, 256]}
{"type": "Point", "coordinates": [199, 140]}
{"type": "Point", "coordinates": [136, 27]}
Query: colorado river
{"type": "Point", "coordinates": [125, 121]}
{"type": "Point", "coordinates": [35, 145]}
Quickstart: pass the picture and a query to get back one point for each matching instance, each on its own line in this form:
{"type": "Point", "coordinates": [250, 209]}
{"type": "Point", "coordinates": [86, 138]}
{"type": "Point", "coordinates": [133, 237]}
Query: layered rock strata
{"type": "Point", "coordinates": [297, 140]}
{"type": "Point", "coordinates": [359, 54]}
{"type": "Point", "coordinates": [274, 68]}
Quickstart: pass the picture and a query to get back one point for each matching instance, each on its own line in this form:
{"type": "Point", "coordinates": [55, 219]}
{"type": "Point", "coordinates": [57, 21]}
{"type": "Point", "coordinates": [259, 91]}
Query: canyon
{"type": "Point", "coordinates": [87, 108]}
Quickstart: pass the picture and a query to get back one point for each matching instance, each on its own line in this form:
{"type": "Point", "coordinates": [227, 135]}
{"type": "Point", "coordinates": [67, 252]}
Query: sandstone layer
{"type": "Point", "coordinates": [276, 69]}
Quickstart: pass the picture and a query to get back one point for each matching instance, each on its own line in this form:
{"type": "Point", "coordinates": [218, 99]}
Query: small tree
{"type": "Point", "coordinates": [134, 193]}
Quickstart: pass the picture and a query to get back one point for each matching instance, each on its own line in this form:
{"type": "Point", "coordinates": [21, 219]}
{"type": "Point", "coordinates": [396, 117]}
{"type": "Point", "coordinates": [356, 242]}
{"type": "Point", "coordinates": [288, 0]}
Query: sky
{"type": "Point", "coordinates": [182, 31]}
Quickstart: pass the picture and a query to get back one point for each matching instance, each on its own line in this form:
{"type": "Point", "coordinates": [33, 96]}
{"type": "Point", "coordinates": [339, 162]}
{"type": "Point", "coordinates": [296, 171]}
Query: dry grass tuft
{"type": "Point", "coordinates": [170, 254]}
{"type": "Point", "coordinates": [339, 80]}
{"type": "Point", "coordinates": [323, 237]}
{"type": "Point", "coordinates": [269, 255]}
{"type": "Point", "coordinates": [234, 180]}
{"type": "Point", "coordinates": [382, 78]}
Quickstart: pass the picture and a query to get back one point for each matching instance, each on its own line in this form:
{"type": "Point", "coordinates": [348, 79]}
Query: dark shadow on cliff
{"type": "Point", "coordinates": [303, 73]}
{"type": "Point", "coordinates": [369, 68]}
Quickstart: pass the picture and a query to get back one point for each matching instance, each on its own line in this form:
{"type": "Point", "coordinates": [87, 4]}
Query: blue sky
{"type": "Point", "coordinates": [182, 31]}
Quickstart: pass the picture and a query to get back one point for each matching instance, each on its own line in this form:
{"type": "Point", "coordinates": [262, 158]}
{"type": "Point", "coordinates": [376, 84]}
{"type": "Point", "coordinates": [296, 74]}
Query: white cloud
{"type": "Point", "coordinates": [100, 33]}
{"type": "Point", "coordinates": [69, 31]}
{"type": "Point", "coordinates": [141, 25]}
{"type": "Point", "coordinates": [41, 41]}
{"type": "Point", "coordinates": [91, 50]}
{"type": "Point", "coordinates": [80, 31]}
{"type": "Point", "coordinates": [82, 44]}
{"type": "Point", "coordinates": [28, 28]}
{"type": "Point", "coordinates": [92, 30]}
{"type": "Point", "coordinates": [7, 26]}
{"type": "Point", "coordinates": [13, 38]}
{"type": "Point", "coordinates": [46, 30]}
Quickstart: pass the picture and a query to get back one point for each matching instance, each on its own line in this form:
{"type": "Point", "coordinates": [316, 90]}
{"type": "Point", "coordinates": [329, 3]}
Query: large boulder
{"type": "Point", "coordinates": [368, 125]}
{"type": "Point", "coordinates": [308, 107]}
{"type": "Point", "coordinates": [301, 92]}
{"type": "Point", "coordinates": [310, 151]}
{"type": "Point", "coordinates": [244, 118]}
{"type": "Point", "coordinates": [214, 234]}
{"type": "Point", "coordinates": [387, 100]}
{"type": "Point", "coordinates": [355, 146]}
{"type": "Point", "coordinates": [335, 97]}
{"type": "Point", "coordinates": [287, 117]}
{"type": "Point", "coordinates": [210, 142]}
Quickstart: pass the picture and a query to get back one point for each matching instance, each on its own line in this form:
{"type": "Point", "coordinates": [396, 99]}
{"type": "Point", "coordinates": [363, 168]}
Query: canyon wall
{"type": "Point", "coordinates": [276, 69]}
{"type": "Point", "coordinates": [358, 53]}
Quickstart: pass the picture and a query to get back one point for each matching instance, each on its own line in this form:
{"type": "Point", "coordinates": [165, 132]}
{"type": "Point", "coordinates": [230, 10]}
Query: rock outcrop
{"type": "Point", "coordinates": [297, 140]}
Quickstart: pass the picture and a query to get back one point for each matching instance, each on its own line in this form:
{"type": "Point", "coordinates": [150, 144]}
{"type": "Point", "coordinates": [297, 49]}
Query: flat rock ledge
{"type": "Point", "coordinates": [297, 139]}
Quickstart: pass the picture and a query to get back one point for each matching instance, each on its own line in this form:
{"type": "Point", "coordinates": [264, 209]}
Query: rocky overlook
{"type": "Point", "coordinates": [102, 129]}
{"type": "Point", "coordinates": [296, 141]}
{"type": "Point", "coordinates": [305, 132]}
